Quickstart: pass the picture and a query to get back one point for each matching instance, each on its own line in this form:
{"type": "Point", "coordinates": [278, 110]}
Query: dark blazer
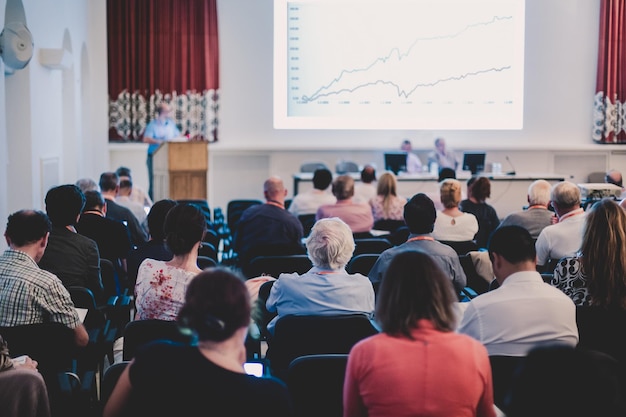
{"type": "Point", "coordinates": [117, 212]}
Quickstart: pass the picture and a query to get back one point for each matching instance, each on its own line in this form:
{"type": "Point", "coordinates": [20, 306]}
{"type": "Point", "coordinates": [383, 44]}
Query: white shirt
{"type": "Point", "coordinates": [309, 201]}
{"type": "Point", "coordinates": [363, 193]}
{"type": "Point", "coordinates": [413, 163]}
{"type": "Point", "coordinates": [562, 239]}
{"type": "Point", "coordinates": [523, 313]}
{"type": "Point", "coordinates": [455, 229]}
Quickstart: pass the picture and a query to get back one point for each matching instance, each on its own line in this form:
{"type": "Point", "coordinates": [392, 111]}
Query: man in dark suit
{"type": "Point", "coordinates": [109, 186]}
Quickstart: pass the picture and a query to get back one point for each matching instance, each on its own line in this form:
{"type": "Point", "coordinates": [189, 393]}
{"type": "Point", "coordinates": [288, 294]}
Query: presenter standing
{"type": "Point", "coordinates": [444, 158]}
{"type": "Point", "coordinates": [413, 163]}
{"type": "Point", "coordinates": [159, 130]}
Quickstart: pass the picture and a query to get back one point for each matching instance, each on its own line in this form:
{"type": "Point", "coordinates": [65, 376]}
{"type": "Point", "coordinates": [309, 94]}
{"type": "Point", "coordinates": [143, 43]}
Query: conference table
{"type": "Point", "coordinates": [508, 192]}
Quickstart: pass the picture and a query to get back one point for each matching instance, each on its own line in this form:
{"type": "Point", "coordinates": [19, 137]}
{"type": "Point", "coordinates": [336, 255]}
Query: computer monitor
{"type": "Point", "coordinates": [474, 162]}
{"type": "Point", "coordinates": [395, 161]}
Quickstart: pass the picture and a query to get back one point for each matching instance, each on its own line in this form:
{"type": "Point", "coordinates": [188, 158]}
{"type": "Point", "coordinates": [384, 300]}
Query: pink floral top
{"type": "Point", "coordinates": [396, 209]}
{"type": "Point", "coordinates": [160, 290]}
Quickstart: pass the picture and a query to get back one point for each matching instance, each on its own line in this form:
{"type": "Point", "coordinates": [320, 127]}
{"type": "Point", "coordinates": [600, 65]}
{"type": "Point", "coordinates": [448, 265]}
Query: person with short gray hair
{"type": "Point", "coordinates": [564, 238]}
{"type": "Point", "coordinates": [536, 216]}
{"type": "Point", "coordinates": [327, 288]}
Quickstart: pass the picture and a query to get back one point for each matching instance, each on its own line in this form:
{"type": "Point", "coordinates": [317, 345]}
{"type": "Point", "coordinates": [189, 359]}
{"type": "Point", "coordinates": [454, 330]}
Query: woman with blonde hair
{"type": "Point", "coordinates": [597, 274]}
{"type": "Point", "coordinates": [387, 205]}
{"type": "Point", "coordinates": [452, 224]}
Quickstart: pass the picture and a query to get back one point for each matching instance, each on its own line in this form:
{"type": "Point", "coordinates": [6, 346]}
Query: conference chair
{"type": "Point", "coordinates": [208, 250]}
{"type": "Point", "coordinates": [362, 264]}
{"type": "Point", "coordinates": [502, 371]}
{"type": "Point", "coordinates": [371, 245]}
{"type": "Point", "coordinates": [139, 332]}
{"type": "Point", "coordinates": [296, 336]}
{"type": "Point", "coordinates": [315, 384]}
{"type": "Point", "coordinates": [202, 205]}
{"type": "Point", "coordinates": [205, 262]}
{"type": "Point", "coordinates": [603, 330]}
{"type": "Point", "coordinates": [312, 166]}
{"type": "Point", "coordinates": [234, 210]}
{"type": "Point", "coordinates": [461, 247]}
{"type": "Point", "coordinates": [274, 265]}
{"type": "Point", "coordinates": [474, 280]}
{"type": "Point", "coordinates": [307, 220]}
{"type": "Point", "coordinates": [109, 380]}
{"type": "Point", "coordinates": [346, 167]}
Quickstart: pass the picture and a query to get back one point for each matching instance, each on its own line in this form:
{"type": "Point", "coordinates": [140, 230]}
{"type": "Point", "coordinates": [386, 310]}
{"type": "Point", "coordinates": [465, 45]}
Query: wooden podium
{"type": "Point", "coordinates": [180, 171]}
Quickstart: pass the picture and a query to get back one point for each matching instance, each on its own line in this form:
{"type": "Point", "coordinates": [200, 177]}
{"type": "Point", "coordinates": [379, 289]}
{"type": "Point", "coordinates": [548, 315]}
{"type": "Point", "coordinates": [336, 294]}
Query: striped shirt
{"type": "Point", "coordinates": [30, 295]}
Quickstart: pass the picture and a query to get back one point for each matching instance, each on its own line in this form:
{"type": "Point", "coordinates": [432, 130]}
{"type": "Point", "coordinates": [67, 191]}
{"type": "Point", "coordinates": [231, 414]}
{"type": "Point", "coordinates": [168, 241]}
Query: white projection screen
{"type": "Point", "coordinates": [390, 64]}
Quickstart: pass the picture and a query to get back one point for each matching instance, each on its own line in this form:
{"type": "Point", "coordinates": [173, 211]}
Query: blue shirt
{"type": "Point", "coordinates": [160, 131]}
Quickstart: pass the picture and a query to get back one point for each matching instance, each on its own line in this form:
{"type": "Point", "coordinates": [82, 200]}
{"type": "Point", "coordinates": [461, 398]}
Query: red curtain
{"type": "Point", "coordinates": [609, 102]}
{"type": "Point", "coordinates": [163, 50]}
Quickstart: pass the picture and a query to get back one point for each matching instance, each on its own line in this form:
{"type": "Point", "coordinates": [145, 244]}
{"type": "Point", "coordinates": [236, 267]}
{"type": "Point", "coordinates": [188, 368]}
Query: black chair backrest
{"type": "Point", "coordinates": [389, 225]}
{"type": "Point", "coordinates": [362, 263]}
{"type": "Point", "coordinates": [83, 298]}
{"type": "Point", "coordinates": [208, 250]}
{"type": "Point", "coordinates": [474, 280]}
{"type": "Point", "coordinates": [307, 220]}
{"type": "Point", "coordinates": [315, 384]}
{"type": "Point", "coordinates": [502, 371]}
{"type": "Point", "coordinates": [461, 247]}
{"type": "Point", "coordinates": [202, 205]}
{"type": "Point", "coordinates": [109, 380]}
{"type": "Point", "coordinates": [110, 284]}
{"type": "Point", "coordinates": [205, 262]}
{"type": "Point", "coordinates": [139, 332]}
{"type": "Point", "coordinates": [235, 209]}
{"type": "Point", "coordinates": [603, 330]}
{"type": "Point", "coordinates": [371, 245]}
{"type": "Point", "coordinates": [296, 336]}
{"type": "Point", "coordinates": [345, 167]}
{"type": "Point", "coordinates": [212, 237]}
{"type": "Point", "coordinates": [275, 265]}
{"type": "Point", "coordinates": [312, 166]}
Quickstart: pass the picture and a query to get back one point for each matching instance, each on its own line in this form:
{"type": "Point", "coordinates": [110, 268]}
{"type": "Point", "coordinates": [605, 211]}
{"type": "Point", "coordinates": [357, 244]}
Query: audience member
{"type": "Point", "coordinates": [537, 216]}
{"type": "Point", "coordinates": [566, 381]}
{"type": "Point", "coordinates": [365, 190]}
{"type": "Point", "coordinates": [387, 205]}
{"type": "Point", "coordinates": [28, 294]}
{"type": "Point", "coordinates": [452, 224]}
{"type": "Point", "coordinates": [137, 194]}
{"type": "Point", "coordinates": [87, 184]}
{"type": "Point", "coordinates": [268, 229]}
{"type": "Point", "coordinates": [413, 162]}
{"type": "Point", "coordinates": [123, 199]}
{"type": "Point", "coordinates": [615, 177]}
{"type": "Point", "coordinates": [479, 190]}
{"type": "Point", "coordinates": [417, 348]}
{"type": "Point", "coordinates": [111, 236]}
{"type": "Point", "coordinates": [564, 238]}
{"type": "Point", "coordinates": [155, 248]}
{"type": "Point", "coordinates": [309, 201]}
{"type": "Point", "coordinates": [419, 216]}
{"type": "Point", "coordinates": [597, 274]}
{"type": "Point", "coordinates": [166, 379]}
{"type": "Point", "coordinates": [109, 184]}
{"type": "Point", "coordinates": [357, 215]}
{"type": "Point", "coordinates": [326, 289]}
{"type": "Point", "coordinates": [72, 257]}
{"type": "Point", "coordinates": [161, 286]}
{"type": "Point", "coordinates": [444, 158]}
{"type": "Point", "coordinates": [524, 312]}
{"type": "Point", "coordinates": [444, 173]}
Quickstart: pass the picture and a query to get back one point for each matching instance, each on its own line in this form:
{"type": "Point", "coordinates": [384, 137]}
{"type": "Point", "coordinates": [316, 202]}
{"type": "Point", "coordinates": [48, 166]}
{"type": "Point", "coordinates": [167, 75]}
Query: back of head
{"type": "Point", "coordinates": [566, 381]}
{"type": "Point", "coordinates": [450, 193]}
{"type": "Point", "coordinates": [387, 184]}
{"type": "Point", "coordinates": [343, 187]}
{"type": "Point", "coordinates": [604, 254]}
{"type": "Point", "coordinates": [539, 193]}
{"type": "Point", "coordinates": [25, 227]}
{"type": "Point", "coordinates": [368, 174]}
{"type": "Point", "coordinates": [217, 304]}
{"type": "Point", "coordinates": [322, 178]}
{"type": "Point", "coordinates": [64, 203]}
{"type": "Point", "coordinates": [93, 201]}
{"type": "Point", "coordinates": [330, 244]}
{"type": "Point", "coordinates": [414, 287]}
{"type": "Point", "coordinates": [566, 195]}
{"type": "Point", "coordinates": [614, 177]}
{"type": "Point", "coordinates": [126, 186]}
{"type": "Point", "coordinates": [420, 214]}
{"type": "Point", "coordinates": [109, 181]}
{"type": "Point", "coordinates": [87, 184]}
{"type": "Point", "coordinates": [406, 145]}
{"type": "Point", "coordinates": [480, 188]}
{"type": "Point", "coordinates": [185, 226]}
{"type": "Point", "coordinates": [123, 172]}
{"type": "Point", "coordinates": [513, 243]}
{"type": "Point", "coordinates": [445, 173]}
{"type": "Point", "coordinates": [274, 188]}
{"type": "Point", "coordinates": [156, 218]}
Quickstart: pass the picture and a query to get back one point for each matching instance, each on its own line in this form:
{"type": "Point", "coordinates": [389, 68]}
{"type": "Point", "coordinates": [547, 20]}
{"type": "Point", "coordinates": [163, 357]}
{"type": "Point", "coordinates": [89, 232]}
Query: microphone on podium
{"type": "Point", "coordinates": [510, 163]}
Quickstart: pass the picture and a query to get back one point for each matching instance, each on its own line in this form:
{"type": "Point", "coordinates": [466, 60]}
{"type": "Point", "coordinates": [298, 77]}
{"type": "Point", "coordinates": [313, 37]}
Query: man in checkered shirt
{"type": "Point", "coordinates": [28, 294]}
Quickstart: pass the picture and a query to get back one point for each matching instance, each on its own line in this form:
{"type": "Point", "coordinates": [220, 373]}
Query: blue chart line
{"type": "Point", "coordinates": [400, 56]}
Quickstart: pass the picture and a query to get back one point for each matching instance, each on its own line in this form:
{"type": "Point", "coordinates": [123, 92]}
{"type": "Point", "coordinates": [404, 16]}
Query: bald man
{"type": "Point", "coordinates": [268, 229]}
{"type": "Point", "coordinates": [615, 177]}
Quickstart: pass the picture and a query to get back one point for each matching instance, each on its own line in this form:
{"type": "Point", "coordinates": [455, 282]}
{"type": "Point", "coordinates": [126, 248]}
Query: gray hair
{"type": "Point", "coordinates": [330, 244]}
{"type": "Point", "coordinates": [87, 184]}
{"type": "Point", "coordinates": [566, 194]}
{"type": "Point", "coordinates": [539, 193]}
